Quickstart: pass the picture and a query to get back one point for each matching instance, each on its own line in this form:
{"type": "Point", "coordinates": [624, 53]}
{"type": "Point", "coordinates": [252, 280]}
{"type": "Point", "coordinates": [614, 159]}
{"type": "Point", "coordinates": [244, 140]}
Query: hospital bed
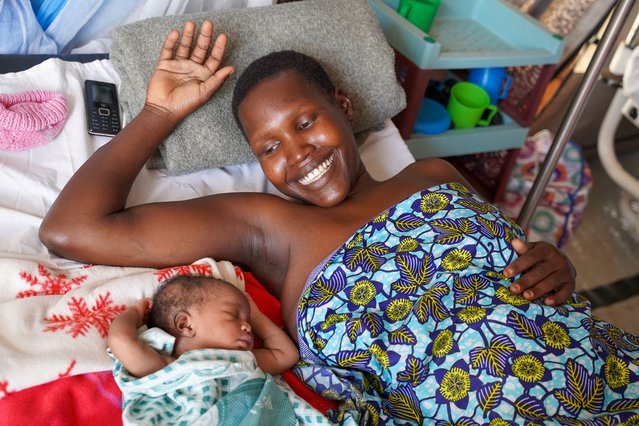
{"type": "Point", "coordinates": [625, 103]}
{"type": "Point", "coordinates": [57, 311]}
{"type": "Point", "coordinates": [604, 49]}
{"type": "Point", "coordinates": [61, 363]}
{"type": "Point", "coordinates": [33, 354]}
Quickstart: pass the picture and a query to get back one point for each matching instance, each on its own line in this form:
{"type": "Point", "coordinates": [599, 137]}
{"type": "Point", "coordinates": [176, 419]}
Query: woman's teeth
{"type": "Point", "coordinates": [317, 172]}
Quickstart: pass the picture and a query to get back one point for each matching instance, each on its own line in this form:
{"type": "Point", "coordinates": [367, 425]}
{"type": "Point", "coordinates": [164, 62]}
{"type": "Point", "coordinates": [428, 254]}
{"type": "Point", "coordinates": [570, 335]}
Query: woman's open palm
{"type": "Point", "coordinates": [184, 79]}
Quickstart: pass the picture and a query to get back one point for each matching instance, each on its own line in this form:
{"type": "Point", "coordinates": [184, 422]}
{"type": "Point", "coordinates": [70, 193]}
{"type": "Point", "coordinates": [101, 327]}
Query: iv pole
{"type": "Point", "coordinates": [606, 45]}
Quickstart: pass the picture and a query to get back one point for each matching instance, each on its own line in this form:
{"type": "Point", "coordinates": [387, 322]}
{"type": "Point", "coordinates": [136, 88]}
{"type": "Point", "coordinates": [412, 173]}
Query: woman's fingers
{"type": "Point", "coordinates": [201, 48]}
{"type": "Point", "coordinates": [537, 282]}
{"type": "Point", "coordinates": [520, 246]}
{"type": "Point", "coordinates": [219, 76]}
{"type": "Point", "coordinates": [217, 53]}
{"type": "Point", "coordinates": [561, 294]}
{"type": "Point", "coordinates": [533, 254]}
{"type": "Point", "coordinates": [203, 42]}
{"type": "Point", "coordinates": [169, 45]}
{"type": "Point", "coordinates": [216, 80]}
{"type": "Point", "coordinates": [528, 279]}
{"type": "Point", "coordinates": [184, 48]}
{"type": "Point", "coordinates": [556, 286]}
{"type": "Point", "coordinates": [544, 271]}
{"type": "Point", "coordinates": [529, 255]}
{"type": "Point", "coordinates": [184, 79]}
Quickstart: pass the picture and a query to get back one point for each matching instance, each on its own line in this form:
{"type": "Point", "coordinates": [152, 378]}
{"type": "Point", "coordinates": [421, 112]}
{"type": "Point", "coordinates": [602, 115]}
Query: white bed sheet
{"type": "Point", "coordinates": [30, 180]}
{"type": "Point", "coordinates": [94, 36]}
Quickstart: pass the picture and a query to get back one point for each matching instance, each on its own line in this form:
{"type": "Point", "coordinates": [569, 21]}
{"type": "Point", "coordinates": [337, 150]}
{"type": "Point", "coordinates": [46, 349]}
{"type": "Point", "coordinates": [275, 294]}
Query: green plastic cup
{"type": "Point", "coordinates": [420, 13]}
{"type": "Point", "coordinates": [467, 105]}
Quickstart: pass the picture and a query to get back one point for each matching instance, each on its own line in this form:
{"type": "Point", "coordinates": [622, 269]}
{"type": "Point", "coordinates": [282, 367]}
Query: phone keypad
{"type": "Point", "coordinates": [102, 121]}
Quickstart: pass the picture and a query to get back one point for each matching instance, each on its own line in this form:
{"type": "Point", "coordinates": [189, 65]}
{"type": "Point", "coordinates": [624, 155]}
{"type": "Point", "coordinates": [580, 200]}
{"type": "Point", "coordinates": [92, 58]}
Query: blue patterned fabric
{"type": "Point", "coordinates": [411, 321]}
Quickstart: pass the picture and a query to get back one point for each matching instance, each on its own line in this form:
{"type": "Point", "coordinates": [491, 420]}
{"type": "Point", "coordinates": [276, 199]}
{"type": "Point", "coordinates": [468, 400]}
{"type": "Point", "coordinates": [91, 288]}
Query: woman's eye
{"type": "Point", "coordinates": [307, 124]}
{"type": "Point", "coordinates": [271, 148]}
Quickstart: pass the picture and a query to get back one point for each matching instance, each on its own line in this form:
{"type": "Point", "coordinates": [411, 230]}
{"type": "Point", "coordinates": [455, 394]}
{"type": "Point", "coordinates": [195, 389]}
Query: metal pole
{"type": "Point", "coordinates": [606, 44]}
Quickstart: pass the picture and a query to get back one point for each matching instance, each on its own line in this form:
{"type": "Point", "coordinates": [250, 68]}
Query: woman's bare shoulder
{"type": "Point", "coordinates": [433, 171]}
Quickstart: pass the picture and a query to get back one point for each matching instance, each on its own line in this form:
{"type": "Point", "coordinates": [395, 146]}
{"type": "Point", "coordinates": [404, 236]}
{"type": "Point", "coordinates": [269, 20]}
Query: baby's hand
{"type": "Point", "coordinates": [143, 306]}
{"type": "Point", "coordinates": [255, 311]}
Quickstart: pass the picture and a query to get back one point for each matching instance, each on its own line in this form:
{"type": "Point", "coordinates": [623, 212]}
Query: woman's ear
{"type": "Point", "coordinates": [344, 103]}
{"type": "Point", "coordinates": [182, 324]}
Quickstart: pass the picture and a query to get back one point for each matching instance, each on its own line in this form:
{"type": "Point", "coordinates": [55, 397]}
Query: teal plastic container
{"type": "Point", "coordinates": [470, 34]}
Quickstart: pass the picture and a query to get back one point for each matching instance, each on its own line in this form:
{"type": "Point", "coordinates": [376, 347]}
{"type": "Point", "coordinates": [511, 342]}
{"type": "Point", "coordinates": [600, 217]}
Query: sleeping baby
{"type": "Point", "coordinates": [197, 363]}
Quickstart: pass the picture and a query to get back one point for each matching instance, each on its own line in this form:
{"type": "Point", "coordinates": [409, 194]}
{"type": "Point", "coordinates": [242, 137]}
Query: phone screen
{"type": "Point", "coordinates": [101, 95]}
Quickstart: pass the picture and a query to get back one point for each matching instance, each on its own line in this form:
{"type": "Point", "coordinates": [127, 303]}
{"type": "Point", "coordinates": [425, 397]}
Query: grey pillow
{"type": "Point", "coordinates": [343, 35]}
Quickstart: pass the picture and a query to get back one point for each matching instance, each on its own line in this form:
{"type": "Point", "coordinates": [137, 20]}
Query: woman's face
{"type": "Point", "coordinates": [302, 138]}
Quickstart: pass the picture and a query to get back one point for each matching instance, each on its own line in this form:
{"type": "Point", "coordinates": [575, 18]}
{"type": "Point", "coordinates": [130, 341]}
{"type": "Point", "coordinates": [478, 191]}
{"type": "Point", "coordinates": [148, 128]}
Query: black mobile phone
{"type": "Point", "coordinates": [103, 111]}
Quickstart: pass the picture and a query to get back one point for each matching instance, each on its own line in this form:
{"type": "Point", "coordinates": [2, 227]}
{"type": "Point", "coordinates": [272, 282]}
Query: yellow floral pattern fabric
{"type": "Point", "coordinates": [411, 321]}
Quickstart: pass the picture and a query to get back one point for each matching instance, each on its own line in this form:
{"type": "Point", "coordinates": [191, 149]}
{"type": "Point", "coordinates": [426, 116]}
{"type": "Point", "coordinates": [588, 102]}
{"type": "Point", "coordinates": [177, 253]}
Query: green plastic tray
{"type": "Point", "coordinates": [470, 34]}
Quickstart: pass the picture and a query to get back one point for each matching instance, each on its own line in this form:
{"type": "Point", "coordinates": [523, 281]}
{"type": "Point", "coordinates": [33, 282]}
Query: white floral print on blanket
{"type": "Point", "coordinates": [55, 322]}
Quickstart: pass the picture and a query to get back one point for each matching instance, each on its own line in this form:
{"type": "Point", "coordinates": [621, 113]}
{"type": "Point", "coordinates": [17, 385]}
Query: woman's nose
{"type": "Point", "coordinates": [298, 150]}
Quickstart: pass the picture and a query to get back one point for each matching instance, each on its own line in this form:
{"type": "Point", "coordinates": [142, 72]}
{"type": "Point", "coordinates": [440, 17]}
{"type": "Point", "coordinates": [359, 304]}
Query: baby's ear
{"type": "Point", "coordinates": [182, 323]}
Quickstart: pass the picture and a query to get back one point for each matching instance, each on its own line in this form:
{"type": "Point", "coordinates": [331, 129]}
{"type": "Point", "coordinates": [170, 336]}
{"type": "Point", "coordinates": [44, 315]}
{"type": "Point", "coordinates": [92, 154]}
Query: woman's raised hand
{"type": "Point", "coordinates": [185, 79]}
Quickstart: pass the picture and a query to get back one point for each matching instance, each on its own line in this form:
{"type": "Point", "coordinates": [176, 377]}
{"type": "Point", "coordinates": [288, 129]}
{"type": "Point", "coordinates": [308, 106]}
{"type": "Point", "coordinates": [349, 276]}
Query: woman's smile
{"type": "Point", "coordinates": [317, 172]}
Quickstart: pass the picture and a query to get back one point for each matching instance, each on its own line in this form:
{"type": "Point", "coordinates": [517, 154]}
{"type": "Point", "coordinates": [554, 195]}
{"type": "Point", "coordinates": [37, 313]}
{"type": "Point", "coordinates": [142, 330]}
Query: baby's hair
{"type": "Point", "coordinates": [180, 293]}
{"type": "Point", "coordinates": [273, 64]}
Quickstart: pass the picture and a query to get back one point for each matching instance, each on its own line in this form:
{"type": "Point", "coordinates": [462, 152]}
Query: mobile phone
{"type": "Point", "coordinates": [103, 111]}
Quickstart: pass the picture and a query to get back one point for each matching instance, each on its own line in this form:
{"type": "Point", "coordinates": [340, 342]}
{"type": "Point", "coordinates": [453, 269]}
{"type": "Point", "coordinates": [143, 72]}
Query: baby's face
{"type": "Point", "coordinates": [222, 322]}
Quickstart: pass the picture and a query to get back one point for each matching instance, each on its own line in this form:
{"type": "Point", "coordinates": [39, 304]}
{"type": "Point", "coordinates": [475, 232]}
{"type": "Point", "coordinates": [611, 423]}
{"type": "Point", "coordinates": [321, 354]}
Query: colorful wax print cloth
{"type": "Point", "coordinates": [209, 387]}
{"type": "Point", "coordinates": [565, 197]}
{"type": "Point", "coordinates": [411, 322]}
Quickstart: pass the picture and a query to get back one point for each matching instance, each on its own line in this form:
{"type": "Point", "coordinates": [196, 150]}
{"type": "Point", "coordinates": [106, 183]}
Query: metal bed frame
{"type": "Point", "coordinates": [605, 47]}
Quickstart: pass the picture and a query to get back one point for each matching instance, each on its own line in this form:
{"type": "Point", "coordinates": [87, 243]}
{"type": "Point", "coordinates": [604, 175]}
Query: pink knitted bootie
{"type": "Point", "coordinates": [30, 119]}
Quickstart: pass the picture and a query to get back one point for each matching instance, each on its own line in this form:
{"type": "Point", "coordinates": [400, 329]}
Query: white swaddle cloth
{"type": "Point", "coordinates": [209, 386]}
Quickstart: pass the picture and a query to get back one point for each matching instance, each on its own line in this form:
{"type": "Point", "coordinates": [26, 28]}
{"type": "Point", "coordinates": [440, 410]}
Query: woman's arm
{"type": "Point", "coordinates": [279, 352]}
{"type": "Point", "coordinates": [89, 222]}
{"type": "Point", "coordinates": [139, 359]}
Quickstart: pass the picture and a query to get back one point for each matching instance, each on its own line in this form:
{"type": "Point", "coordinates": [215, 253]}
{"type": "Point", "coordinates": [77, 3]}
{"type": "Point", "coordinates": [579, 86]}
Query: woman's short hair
{"type": "Point", "coordinates": [273, 64]}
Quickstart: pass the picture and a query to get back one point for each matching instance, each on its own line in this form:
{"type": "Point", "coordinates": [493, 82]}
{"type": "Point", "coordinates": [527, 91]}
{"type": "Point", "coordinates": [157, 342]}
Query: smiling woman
{"type": "Point", "coordinates": [392, 289]}
{"type": "Point", "coordinates": [301, 136]}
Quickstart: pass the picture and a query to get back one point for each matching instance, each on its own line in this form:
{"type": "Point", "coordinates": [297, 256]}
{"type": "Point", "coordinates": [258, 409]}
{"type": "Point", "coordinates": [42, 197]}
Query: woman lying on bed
{"type": "Point", "coordinates": [399, 292]}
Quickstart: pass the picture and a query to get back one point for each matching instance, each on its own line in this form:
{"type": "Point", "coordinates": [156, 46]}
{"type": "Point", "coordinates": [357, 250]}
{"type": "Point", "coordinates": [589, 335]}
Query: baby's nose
{"type": "Point", "coordinates": [246, 327]}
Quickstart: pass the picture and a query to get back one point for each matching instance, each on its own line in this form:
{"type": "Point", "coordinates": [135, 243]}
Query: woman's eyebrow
{"type": "Point", "coordinates": [263, 134]}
